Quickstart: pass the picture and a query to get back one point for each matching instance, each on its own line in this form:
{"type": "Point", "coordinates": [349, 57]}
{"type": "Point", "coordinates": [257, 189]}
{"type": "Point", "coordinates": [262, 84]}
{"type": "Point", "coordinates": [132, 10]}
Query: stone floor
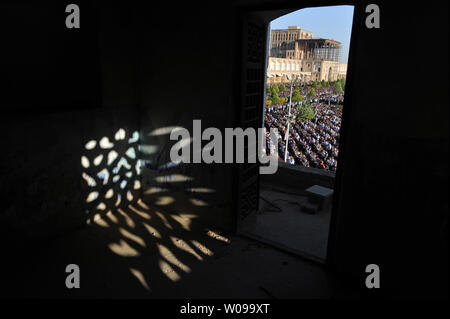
{"type": "Point", "coordinates": [281, 222]}
{"type": "Point", "coordinates": [147, 253]}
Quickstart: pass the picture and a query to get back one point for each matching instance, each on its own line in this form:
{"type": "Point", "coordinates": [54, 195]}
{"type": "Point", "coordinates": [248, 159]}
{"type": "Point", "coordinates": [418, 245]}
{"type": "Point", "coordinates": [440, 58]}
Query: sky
{"type": "Point", "coordinates": [324, 22]}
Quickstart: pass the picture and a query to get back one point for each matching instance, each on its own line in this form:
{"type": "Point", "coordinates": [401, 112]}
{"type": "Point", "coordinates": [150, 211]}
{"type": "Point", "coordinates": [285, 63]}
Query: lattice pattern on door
{"type": "Point", "coordinates": [255, 36]}
{"type": "Point", "coordinates": [251, 113]}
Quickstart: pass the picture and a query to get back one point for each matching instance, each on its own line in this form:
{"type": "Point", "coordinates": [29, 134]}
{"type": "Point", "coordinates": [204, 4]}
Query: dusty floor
{"type": "Point", "coordinates": [281, 221]}
{"type": "Point", "coordinates": [145, 253]}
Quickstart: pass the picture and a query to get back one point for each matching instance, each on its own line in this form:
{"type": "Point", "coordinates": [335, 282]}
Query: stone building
{"type": "Point", "coordinates": [307, 70]}
{"type": "Point", "coordinates": [283, 36]}
{"type": "Point", "coordinates": [294, 51]}
{"type": "Point", "coordinates": [342, 71]}
{"type": "Point", "coordinates": [321, 70]}
{"type": "Point", "coordinates": [279, 68]}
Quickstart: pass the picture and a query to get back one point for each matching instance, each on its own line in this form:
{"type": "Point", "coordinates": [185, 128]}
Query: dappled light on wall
{"type": "Point", "coordinates": [164, 130]}
{"type": "Point", "coordinates": [163, 177]}
{"type": "Point", "coordinates": [173, 178]}
{"type": "Point", "coordinates": [198, 202]}
{"type": "Point", "coordinates": [139, 232]}
{"type": "Point", "coordinates": [111, 168]}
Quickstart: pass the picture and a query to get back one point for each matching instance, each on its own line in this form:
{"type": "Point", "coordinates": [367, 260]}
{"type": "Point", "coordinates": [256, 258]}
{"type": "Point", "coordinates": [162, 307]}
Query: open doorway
{"type": "Point", "coordinates": [307, 53]}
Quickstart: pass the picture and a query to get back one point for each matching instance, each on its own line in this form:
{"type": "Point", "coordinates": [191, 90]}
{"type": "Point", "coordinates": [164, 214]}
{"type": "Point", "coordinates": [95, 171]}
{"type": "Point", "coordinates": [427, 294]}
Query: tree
{"type": "Point", "coordinates": [275, 98]}
{"type": "Point", "coordinates": [282, 100]}
{"type": "Point", "coordinates": [312, 93]}
{"type": "Point", "coordinates": [275, 88]}
{"type": "Point", "coordinates": [296, 96]}
{"type": "Point", "coordinates": [269, 90]}
{"type": "Point", "coordinates": [282, 87]}
{"type": "Point", "coordinates": [305, 111]}
{"type": "Point", "coordinates": [268, 102]}
{"type": "Point", "coordinates": [338, 87]}
{"type": "Point", "coordinates": [314, 85]}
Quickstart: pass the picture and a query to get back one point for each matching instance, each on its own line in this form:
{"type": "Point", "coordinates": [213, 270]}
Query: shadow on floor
{"type": "Point", "coordinates": [281, 222]}
{"type": "Point", "coordinates": [144, 252]}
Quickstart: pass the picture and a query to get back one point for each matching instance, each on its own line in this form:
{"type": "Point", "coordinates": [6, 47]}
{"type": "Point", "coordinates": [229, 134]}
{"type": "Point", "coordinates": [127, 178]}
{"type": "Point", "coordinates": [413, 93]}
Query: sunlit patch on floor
{"type": "Point", "coordinates": [216, 236]}
{"type": "Point", "coordinates": [123, 249]}
{"type": "Point", "coordinates": [170, 257]}
{"type": "Point", "coordinates": [164, 200]}
{"type": "Point", "coordinates": [142, 204]}
{"type": "Point", "coordinates": [152, 231]}
{"type": "Point", "coordinates": [125, 233]}
{"type": "Point", "coordinates": [184, 220]}
{"type": "Point", "coordinates": [139, 212]}
{"type": "Point", "coordinates": [198, 202]}
{"type": "Point", "coordinates": [140, 277]}
{"type": "Point", "coordinates": [168, 271]}
{"type": "Point", "coordinates": [98, 220]}
{"type": "Point", "coordinates": [112, 217]}
{"type": "Point", "coordinates": [202, 248]}
{"type": "Point", "coordinates": [181, 244]}
{"type": "Point", "coordinates": [129, 221]}
{"type": "Point", "coordinates": [164, 220]}
{"type": "Point", "coordinates": [111, 168]}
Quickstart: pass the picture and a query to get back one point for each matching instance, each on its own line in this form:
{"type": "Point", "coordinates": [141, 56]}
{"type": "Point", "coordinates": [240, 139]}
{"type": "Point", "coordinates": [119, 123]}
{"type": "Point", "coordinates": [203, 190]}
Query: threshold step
{"type": "Point", "coordinates": [309, 208]}
{"type": "Point", "coordinates": [321, 196]}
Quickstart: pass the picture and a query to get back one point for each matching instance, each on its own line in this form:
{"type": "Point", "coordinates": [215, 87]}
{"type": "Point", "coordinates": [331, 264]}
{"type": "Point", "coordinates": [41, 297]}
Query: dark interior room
{"type": "Point", "coordinates": [95, 206]}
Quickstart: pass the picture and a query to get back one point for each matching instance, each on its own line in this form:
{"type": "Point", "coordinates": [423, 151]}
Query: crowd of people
{"type": "Point", "coordinates": [312, 143]}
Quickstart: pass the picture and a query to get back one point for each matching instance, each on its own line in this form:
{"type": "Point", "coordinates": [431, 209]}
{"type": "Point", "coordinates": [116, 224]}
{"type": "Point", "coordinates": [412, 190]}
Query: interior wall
{"type": "Point", "coordinates": [64, 89]}
{"type": "Point", "coordinates": [187, 73]}
{"type": "Point", "coordinates": [392, 207]}
{"type": "Point", "coordinates": [133, 67]}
